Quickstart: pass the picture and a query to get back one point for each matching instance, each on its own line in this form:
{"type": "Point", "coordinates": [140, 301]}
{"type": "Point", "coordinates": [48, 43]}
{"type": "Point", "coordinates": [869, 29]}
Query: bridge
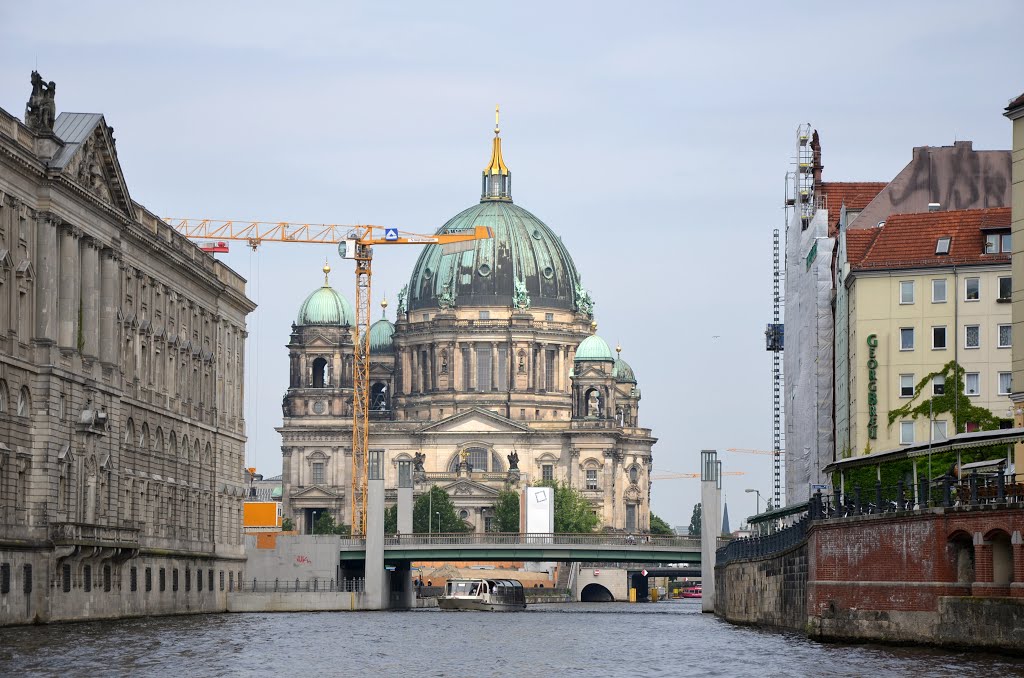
{"type": "Point", "coordinates": [502, 546]}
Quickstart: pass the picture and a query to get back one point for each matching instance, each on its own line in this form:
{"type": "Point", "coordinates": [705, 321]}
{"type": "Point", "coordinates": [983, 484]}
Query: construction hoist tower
{"type": "Point", "coordinates": [775, 342]}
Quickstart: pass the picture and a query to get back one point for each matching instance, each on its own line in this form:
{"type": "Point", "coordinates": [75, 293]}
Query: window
{"type": "Point", "coordinates": [549, 370]}
{"type": "Point", "coordinates": [1005, 288]}
{"type": "Point", "coordinates": [231, 581]}
{"type": "Point", "coordinates": [485, 315]}
{"type": "Point", "coordinates": [464, 514]}
{"type": "Point", "coordinates": [939, 291]}
{"type": "Point", "coordinates": [906, 338]}
{"type": "Point", "coordinates": [942, 245]}
{"type": "Point", "coordinates": [938, 385]}
{"type": "Point", "coordinates": [87, 577]}
{"type": "Point", "coordinates": [972, 336]}
{"type": "Point", "coordinates": [1005, 383]}
{"type": "Point", "coordinates": [5, 578]}
{"type": "Point", "coordinates": [972, 383]}
{"type": "Point", "coordinates": [318, 473]}
{"type": "Point", "coordinates": [634, 474]}
{"type": "Point", "coordinates": [26, 584]}
{"type": "Point", "coordinates": [630, 517]}
{"type": "Point", "coordinates": [1005, 336]}
{"type": "Point", "coordinates": [174, 579]}
{"type": "Point", "coordinates": [939, 337]}
{"type": "Point", "coordinates": [549, 317]}
{"type": "Point", "coordinates": [547, 472]}
{"type": "Point", "coordinates": [199, 580]}
{"type": "Point", "coordinates": [222, 580]}
{"type": "Point", "coordinates": [488, 523]}
{"type": "Point", "coordinates": [483, 367]}
{"type": "Point", "coordinates": [907, 292]}
{"type": "Point", "coordinates": [906, 385]}
{"type": "Point", "coordinates": [163, 580]}
{"type": "Point", "coordinates": [106, 578]}
{"type": "Point", "coordinates": [998, 242]}
{"type": "Point", "coordinates": [906, 432]}
{"type": "Point", "coordinates": [972, 287]}
{"type": "Point", "coordinates": [149, 579]}
{"type": "Point", "coordinates": [938, 430]}
{"type": "Point", "coordinates": [1006, 242]}
{"type": "Point", "coordinates": [209, 580]}
{"type": "Point", "coordinates": [65, 576]}
{"type": "Point", "coordinates": [592, 479]}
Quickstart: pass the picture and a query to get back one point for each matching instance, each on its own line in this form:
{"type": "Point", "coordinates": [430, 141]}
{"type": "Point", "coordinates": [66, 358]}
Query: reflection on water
{"type": "Point", "coordinates": [670, 638]}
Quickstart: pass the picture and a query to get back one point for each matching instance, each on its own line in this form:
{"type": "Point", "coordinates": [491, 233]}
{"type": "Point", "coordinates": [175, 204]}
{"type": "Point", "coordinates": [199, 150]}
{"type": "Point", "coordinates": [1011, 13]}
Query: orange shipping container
{"type": "Point", "coordinates": [261, 514]}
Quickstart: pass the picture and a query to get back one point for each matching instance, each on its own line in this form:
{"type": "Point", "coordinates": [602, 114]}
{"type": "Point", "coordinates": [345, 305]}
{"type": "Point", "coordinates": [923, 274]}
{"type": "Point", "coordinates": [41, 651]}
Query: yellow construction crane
{"type": "Point", "coordinates": [673, 476]}
{"type": "Point", "coordinates": [356, 243]}
{"type": "Point", "coordinates": [746, 450]}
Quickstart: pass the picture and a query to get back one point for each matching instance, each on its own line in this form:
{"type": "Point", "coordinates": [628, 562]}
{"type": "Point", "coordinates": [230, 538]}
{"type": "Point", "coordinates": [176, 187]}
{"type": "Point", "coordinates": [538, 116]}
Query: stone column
{"type": "Point", "coordinates": [90, 298]}
{"type": "Point", "coordinates": [417, 374]}
{"type": "Point", "coordinates": [108, 305]}
{"type": "Point", "coordinates": [560, 369]}
{"type": "Point", "coordinates": [68, 292]}
{"type": "Point", "coordinates": [453, 362]}
{"type": "Point", "coordinates": [472, 367]}
{"type": "Point", "coordinates": [710, 525]}
{"type": "Point", "coordinates": [983, 575]}
{"type": "Point", "coordinates": [494, 366]}
{"type": "Point", "coordinates": [456, 366]}
{"type": "Point", "coordinates": [47, 265]}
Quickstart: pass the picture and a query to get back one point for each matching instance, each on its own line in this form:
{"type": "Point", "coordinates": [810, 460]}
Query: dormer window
{"type": "Point", "coordinates": [997, 242]}
{"type": "Point", "coordinates": [942, 246]}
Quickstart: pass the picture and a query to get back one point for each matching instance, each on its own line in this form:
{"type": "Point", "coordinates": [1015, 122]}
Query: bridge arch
{"type": "Point", "coordinates": [595, 593]}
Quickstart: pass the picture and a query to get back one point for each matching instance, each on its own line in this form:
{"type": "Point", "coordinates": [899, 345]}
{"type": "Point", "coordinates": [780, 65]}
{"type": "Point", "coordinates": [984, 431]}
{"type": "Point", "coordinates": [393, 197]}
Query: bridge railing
{"type": "Point", "coordinates": [533, 539]}
{"type": "Point", "coordinates": [760, 547]}
{"type": "Point", "coordinates": [315, 585]}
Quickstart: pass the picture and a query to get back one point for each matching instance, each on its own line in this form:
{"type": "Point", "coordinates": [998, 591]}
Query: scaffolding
{"type": "Point", "coordinates": [775, 343]}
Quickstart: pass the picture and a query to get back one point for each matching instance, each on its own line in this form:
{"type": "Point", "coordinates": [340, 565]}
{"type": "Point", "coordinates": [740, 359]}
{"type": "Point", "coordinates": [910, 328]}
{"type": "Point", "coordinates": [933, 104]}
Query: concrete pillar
{"type": "Point", "coordinates": [90, 298]}
{"type": "Point", "coordinates": [108, 306]}
{"type": "Point", "coordinates": [47, 265]}
{"type": "Point", "coordinates": [68, 293]}
{"type": "Point", "coordinates": [376, 577]}
{"type": "Point", "coordinates": [1017, 586]}
{"type": "Point", "coordinates": [405, 500]}
{"type": "Point", "coordinates": [710, 524]}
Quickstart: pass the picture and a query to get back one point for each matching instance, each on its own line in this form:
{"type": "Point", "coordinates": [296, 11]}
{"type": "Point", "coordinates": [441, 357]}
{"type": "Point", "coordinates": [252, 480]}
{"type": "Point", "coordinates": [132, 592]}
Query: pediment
{"type": "Point", "coordinates": [315, 492]}
{"type": "Point", "coordinates": [464, 487]}
{"type": "Point", "coordinates": [592, 371]}
{"type": "Point", "coordinates": [89, 159]}
{"type": "Point", "coordinates": [320, 341]}
{"type": "Point", "coordinates": [475, 420]}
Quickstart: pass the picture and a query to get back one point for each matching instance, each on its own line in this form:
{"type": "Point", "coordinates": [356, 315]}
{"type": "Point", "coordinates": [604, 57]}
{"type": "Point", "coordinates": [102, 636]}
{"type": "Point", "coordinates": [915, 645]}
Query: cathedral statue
{"type": "Point", "coordinates": [520, 298]}
{"type": "Point", "coordinates": [417, 462]}
{"type": "Point", "coordinates": [584, 304]}
{"type": "Point", "coordinates": [446, 299]}
{"type": "Point", "coordinates": [41, 109]}
{"type": "Point", "coordinates": [513, 461]}
{"type": "Point", "coordinates": [403, 295]}
{"type": "Point", "coordinates": [594, 404]}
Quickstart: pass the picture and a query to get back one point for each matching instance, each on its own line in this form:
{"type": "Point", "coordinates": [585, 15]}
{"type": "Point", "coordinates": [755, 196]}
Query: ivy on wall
{"type": "Point", "coordinates": [953, 401]}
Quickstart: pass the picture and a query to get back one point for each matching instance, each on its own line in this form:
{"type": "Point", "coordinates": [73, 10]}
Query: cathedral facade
{"type": "Point", "coordinates": [492, 371]}
{"type": "Point", "coordinates": [121, 374]}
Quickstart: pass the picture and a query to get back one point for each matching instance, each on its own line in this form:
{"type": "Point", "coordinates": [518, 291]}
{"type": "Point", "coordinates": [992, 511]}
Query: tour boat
{"type": "Point", "coordinates": [496, 595]}
{"type": "Point", "coordinates": [692, 591]}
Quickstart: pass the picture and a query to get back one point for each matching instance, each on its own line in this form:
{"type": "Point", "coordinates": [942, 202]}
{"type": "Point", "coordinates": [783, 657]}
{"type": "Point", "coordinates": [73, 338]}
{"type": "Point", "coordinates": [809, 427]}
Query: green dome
{"type": "Point", "coordinates": [523, 249]}
{"type": "Point", "coordinates": [622, 372]}
{"type": "Point", "coordinates": [381, 333]}
{"type": "Point", "coordinates": [594, 348]}
{"type": "Point", "coordinates": [325, 307]}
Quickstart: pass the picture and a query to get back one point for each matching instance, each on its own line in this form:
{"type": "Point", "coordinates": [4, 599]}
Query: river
{"type": "Point", "coordinates": [670, 638]}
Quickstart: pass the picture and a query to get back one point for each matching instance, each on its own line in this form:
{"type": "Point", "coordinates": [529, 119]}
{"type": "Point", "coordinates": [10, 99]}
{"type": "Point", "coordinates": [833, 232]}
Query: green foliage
{"type": "Point", "coordinates": [287, 525]}
{"type": "Point", "coordinates": [953, 401]}
{"type": "Point", "coordinates": [391, 519]}
{"type": "Point", "coordinates": [573, 513]}
{"type": "Point", "coordinates": [426, 508]}
{"type": "Point", "coordinates": [659, 526]}
{"type": "Point", "coordinates": [695, 520]}
{"type": "Point", "coordinates": [903, 469]}
{"type": "Point", "coordinates": [506, 511]}
{"type": "Point", "coordinates": [325, 525]}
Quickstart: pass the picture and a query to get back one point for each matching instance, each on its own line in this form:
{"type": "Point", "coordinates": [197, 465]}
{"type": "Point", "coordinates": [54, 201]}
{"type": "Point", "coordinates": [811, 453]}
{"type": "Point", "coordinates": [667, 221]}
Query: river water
{"type": "Point", "coordinates": [670, 638]}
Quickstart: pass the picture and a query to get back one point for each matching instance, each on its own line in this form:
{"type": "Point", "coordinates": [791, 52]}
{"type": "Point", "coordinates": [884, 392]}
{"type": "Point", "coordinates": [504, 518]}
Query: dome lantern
{"type": "Point", "coordinates": [497, 180]}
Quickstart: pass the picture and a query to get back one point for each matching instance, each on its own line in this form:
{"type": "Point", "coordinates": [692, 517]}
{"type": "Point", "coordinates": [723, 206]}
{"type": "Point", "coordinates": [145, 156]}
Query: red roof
{"type": "Point", "coordinates": [908, 240]}
{"type": "Point", "coordinates": [854, 194]}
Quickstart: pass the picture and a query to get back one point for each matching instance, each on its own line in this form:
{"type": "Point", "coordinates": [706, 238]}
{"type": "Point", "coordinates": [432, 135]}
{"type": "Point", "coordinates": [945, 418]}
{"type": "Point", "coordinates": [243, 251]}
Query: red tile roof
{"type": "Point", "coordinates": [908, 240]}
{"type": "Point", "coordinates": [858, 242]}
{"type": "Point", "coordinates": [854, 194]}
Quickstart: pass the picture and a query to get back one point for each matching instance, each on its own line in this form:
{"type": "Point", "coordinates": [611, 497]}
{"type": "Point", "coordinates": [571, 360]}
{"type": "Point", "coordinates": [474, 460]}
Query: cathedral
{"type": "Point", "coordinates": [491, 377]}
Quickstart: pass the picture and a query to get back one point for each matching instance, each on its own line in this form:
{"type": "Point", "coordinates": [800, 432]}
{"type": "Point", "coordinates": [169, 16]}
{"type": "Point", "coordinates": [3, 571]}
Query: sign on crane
{"type": "Point", "coordinates": [674, 476]}
{"type": "Point", "coordinates": [356, 243]}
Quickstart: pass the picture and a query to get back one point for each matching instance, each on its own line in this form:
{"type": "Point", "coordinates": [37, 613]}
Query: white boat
{"type": "Point", "coordinates": [494, 595]}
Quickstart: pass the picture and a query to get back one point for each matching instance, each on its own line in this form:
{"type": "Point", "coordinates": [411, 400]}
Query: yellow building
{"type": "Point", "coordinates": [1015, 112]}
{"type": "Point", "coordinates": [921, 291]}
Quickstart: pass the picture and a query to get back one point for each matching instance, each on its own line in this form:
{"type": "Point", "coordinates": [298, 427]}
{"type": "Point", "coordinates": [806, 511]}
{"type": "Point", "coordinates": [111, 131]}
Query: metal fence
{"type": "Point", "coordinates": [759, 547]}
{"type": "Point", "coordinates": [355, 585]}
{"type": "Point", "coordinates": [639, 542]}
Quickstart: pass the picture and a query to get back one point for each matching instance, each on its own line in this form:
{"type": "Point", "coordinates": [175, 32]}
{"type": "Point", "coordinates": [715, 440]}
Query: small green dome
{"type": "Point", "coordinates": [622, 372]}
{"type": "Point", "coordinates": [325, 307]}
{"type": "Point", "coordinates": [381, 333]}
{"type": "Point", "coordinates": [594, 348]}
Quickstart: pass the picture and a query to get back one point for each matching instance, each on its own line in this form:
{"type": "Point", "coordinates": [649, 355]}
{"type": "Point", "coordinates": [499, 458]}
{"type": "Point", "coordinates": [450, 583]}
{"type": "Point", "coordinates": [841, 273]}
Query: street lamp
{"type": "Point", "coordinates": [758, 498]}
{"type": "Point", "coordinates": [438, 514]}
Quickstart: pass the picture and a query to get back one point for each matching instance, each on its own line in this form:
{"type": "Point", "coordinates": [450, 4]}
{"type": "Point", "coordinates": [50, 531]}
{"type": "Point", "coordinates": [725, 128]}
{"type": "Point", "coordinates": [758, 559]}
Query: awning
{"type": "Point", "coordinates": [978, 465]}
{"type": "Point", "coordinates": [961, 441]}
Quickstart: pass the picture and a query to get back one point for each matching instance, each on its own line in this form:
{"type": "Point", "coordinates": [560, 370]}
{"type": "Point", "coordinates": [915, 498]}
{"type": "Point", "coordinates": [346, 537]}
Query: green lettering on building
{"type": "Point", "coordinates": [812, 255]}
{"type": "Point", "coordinates": [872, 387]}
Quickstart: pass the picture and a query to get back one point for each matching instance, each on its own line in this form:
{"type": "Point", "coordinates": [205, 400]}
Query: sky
{"type": "Point", "coordinates": [652, 137]}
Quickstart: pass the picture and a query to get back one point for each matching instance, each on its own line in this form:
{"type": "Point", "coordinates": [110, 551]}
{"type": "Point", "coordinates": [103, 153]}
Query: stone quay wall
{"type": "Point", "coordinates": [941, 576]}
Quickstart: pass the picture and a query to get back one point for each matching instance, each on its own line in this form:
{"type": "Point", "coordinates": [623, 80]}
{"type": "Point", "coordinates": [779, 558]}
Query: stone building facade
{"type": "Point", "coordinates": [492, 371]}
{"type": "Point", "coordinates": [121, 388]}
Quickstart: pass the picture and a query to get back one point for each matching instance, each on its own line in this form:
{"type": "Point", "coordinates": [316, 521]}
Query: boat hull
{"type": "Point", "coordinates": [475, 604]}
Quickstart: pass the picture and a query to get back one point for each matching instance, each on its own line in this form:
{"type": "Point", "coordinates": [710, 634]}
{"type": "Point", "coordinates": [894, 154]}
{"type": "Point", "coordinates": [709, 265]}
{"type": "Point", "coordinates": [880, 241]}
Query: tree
{"type": "Point", "coordinates": [391, 519]}
{"type": "Point", "coordinates": [287, 525]}
{"type": "Point", "coordinates": [695, 520]}
{"type": "Point", "coordinates": [426, 508]}
{"type": "Point", "coordinates": [659, 526]}
{"type": "Point", "coordinates": [573, 513]}
{"type": "Point", "coordinates": [506, 511]}
{"type": "Point", "coordinates": [325, 525]}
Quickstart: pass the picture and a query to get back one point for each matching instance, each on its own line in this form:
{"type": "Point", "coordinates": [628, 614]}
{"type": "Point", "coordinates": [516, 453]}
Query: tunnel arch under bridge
{"type": "Point", "coordinates": [596, 593]}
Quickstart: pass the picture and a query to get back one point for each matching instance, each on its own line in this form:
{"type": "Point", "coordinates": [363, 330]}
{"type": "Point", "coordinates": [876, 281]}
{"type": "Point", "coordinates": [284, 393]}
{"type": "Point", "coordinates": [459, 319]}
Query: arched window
{"type": "Point", "coordinates": [159, 447]}
{"type": "Point", "coordinates": [961, 549]}
{"type": "Point", "coordinates": [129, 432]}
{"type": "Point", "coordinates": [1002, 557]}
{"type": "Point", "coordinates": [183, 452]}
{"type": "Point", "coordinates": [172, 444]}
{"type": "Point", "coordinates": [144, 436]}
{"type": "Point", "coordinates": [195, 451]}
{"type": "Point", "coordinates": [478, 458]}
{"type": "Point", "coordinates": [5, 396]}
{"type": "Point", "coordinates": [320, 373]}
{"type": "Point", "coordinates": [379, 401]}
{"type": "Point", "coordinates": [634, 473]}
{"type": "Point", "coordinates": [24, 402]}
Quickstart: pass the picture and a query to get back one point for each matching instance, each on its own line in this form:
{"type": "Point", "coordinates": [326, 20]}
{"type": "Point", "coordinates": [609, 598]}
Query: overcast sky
{"type": "Point", "coordinates": [652, 137]}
